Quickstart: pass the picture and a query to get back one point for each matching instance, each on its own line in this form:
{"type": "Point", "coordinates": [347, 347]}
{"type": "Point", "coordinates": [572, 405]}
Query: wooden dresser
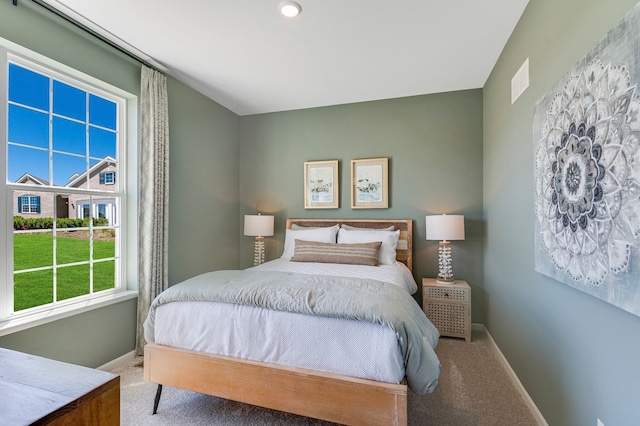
{"type": "Point", "coordinates": [36, 390]}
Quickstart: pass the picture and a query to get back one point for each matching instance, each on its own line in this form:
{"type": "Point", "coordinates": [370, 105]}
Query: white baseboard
{"type": "Point", "coordinates": [514, 378]}
{"type": "Point", "coordinates": [118, 362]}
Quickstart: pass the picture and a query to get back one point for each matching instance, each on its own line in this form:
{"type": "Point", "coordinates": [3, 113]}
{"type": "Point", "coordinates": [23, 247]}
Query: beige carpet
{"type": "Point", "coordinates": [473, 390]}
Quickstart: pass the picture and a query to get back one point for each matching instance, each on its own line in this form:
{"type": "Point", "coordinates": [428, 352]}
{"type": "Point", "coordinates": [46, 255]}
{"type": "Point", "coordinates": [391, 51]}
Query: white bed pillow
{"type": "Point", "coordinates": [389, 240]}
{"type": "Point", "coordinates": [321, 235]}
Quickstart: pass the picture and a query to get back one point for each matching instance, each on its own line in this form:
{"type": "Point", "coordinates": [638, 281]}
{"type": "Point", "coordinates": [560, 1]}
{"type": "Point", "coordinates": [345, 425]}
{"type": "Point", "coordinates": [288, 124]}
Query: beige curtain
{"type": "Point", "coordinates": [153, 219]}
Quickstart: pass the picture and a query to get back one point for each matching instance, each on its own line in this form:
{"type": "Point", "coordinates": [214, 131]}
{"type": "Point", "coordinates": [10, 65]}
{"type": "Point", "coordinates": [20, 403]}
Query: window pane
{"type": "Point", "coordinates": [32, 289]}
{"type": "Point", "coordinates": [28, 204]}
{"type": "Point", "coordinates": [104, 210]}
{"type": "Point", "coordinates": [26, 160]}
{"type": "Point", "coordinates": [28, 88]}
{"type": "Point", "coordinates": [72, 281]}
{"type": "Point", "coordinates": [106, 179]}
{"type": "Point", "coordinates": [69, 136]}
{"type": "Point", "coordinates": [68, 168]}
{"type": "Point", "coordinates": [101, 143]}
{"type": "Point", "coordinates": [72, 247]}
{"type": "Point", "coordinates": [64, 136]}
{"type": "Point", "coordinates": [32, 250]}
{"type": "Point", "coordinates": [85, 212]}
{"type": "Point", "coordinates": [69, 101]}
{"type": "Point", "coordinates": [102, 112]}
{"type": "Point", "coordinates": [104, 243]}
{"type": "Point", "coordinates": [34, 208]}
{"type": "Point", "coordinates": [104, 275]}
{"type": "Point", "coordinates": [28, 127]}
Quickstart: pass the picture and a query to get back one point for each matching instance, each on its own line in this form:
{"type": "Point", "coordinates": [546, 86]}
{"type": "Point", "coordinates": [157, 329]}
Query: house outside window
{"type": "Point", "coordinates": [66, 135]}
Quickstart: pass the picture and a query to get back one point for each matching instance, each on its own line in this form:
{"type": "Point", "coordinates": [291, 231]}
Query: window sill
{"type": "Point", "coordinates": [24, 322]}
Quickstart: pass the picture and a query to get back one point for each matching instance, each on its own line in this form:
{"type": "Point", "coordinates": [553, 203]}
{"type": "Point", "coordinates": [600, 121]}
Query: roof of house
{"type": "Point", "coordinates": [74, 180]}
{"type": "Point", "coordinates": [79, 178]}
{"type": "Point", "coordinates": [28, 176]}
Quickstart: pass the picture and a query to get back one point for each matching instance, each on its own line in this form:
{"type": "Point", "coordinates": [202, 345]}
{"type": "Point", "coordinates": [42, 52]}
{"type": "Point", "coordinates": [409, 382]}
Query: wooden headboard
{"type": "Point", "coordinates": [404, 251]}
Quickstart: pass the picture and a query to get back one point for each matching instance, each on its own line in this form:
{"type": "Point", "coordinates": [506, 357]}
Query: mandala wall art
{"type": "Point", "coordinates": [586, 135]}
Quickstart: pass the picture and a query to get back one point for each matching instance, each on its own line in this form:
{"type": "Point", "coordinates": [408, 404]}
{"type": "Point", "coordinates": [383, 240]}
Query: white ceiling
{"type": "Point", "coordinates": [246, 56]}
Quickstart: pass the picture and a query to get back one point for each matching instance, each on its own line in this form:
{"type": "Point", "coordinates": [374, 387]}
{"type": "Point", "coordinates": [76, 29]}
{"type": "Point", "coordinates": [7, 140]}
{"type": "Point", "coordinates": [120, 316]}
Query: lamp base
{"type": "Point", "coordinates": [445, 271]}
{"type": "Point", "coordinates": [258, 251]}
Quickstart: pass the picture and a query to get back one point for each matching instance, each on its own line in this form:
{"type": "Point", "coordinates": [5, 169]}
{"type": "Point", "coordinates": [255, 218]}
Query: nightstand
{"type": "Point", "coordinates": [448, 307]}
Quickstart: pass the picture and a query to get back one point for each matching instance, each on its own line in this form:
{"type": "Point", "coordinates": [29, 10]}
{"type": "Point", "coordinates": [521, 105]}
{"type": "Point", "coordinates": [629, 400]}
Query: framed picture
{"type": "Point", "coordinates": [321, 184]}
{"type": "Point", "coordinates": [370, 183]}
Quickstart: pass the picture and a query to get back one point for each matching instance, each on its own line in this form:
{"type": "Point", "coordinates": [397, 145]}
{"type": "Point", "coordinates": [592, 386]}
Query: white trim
{"type": "Point", "coordinates": [512, 374]}
{"type": "Point", "coordinates": [127, 140]}
{"type": "Point", "coordinates": [6, 249]}
{"type": "Point", "coordinates": [24, 322]}
{"type": "Point", "coordinates": [118, 362]}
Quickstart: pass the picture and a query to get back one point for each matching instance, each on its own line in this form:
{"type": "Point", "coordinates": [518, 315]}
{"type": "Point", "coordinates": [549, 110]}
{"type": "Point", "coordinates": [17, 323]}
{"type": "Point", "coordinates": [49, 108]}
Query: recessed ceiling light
{"type": "Point", "coordinates": [290, 9]}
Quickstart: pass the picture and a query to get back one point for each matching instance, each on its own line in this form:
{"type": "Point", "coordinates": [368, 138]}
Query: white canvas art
{"type": "Point", "coordinates": [369, 183]}
{"type": "Point", "coordinates": [586, 135]}
{"type": "Point", "coordinates": [320, 183]}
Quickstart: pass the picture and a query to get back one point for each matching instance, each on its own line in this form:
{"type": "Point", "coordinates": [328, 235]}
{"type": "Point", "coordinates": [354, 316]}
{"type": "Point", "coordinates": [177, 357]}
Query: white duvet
{"type": "Point", "coordinates": [340, 346]}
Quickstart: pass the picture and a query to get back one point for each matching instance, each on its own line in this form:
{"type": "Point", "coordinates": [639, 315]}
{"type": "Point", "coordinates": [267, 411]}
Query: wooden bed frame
{"type": "Point", "coordinates": [331, 397]}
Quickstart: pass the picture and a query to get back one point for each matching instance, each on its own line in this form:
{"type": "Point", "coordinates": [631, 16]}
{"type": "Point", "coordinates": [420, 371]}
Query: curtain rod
{"type": "Point", "coordinates": [91, 32]}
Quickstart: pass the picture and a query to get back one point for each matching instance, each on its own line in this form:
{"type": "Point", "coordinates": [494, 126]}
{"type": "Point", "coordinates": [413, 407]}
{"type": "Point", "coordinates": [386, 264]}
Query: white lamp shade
{"type": "Point", "coordinates": [258, 225]}
{"type": "Point", "coordinates": [444, 227]}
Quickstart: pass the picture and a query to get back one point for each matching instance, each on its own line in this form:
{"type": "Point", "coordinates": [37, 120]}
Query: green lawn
{"type": "Point", "coordinates": [36, 250]}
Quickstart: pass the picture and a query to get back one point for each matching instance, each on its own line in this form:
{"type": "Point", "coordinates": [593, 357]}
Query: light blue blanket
{"type": "Point", "coordinates": [328, 296]}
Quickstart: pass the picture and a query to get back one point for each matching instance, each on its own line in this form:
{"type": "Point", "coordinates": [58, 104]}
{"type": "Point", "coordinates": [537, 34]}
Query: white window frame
{"type": "Point", "coordinates": [11, 322]}
{"type": "Point", "coordinates": [109, 178]}
{"type": "Point", "coordinates": [28, 204]}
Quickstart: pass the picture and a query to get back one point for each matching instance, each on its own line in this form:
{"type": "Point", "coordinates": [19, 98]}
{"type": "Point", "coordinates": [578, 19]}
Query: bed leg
{"type": "Point", "coordinates": [157, 400]}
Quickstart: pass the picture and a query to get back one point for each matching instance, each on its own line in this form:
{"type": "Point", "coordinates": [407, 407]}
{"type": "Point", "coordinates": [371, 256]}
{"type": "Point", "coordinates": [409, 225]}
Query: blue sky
{"type": "Point", "coordinates": [33, 99]}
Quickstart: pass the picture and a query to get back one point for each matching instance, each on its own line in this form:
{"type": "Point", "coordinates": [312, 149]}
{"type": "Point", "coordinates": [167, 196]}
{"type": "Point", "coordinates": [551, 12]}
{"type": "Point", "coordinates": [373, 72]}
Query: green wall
{"type": "Point", "coordinates": [434, 146]}
{"type": "Point", "coordinates": [576, 355]}
{"type": "Point", "coordinates": [203, 184]}
{"type": "Point", "coordinates": [203, 188]}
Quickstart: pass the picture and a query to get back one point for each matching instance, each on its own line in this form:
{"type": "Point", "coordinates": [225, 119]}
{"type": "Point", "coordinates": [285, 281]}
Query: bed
{"type": "Point", "coordinates": [369, 389]}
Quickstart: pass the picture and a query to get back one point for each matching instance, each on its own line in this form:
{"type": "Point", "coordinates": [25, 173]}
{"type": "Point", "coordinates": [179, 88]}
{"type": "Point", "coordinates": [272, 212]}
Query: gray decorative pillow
{"type": "Point", "coordinates": [295, 226]}
{"type": "Point", "coordinates": [357, 228]}
{"type": "Point", "coordinates": [352, 254]}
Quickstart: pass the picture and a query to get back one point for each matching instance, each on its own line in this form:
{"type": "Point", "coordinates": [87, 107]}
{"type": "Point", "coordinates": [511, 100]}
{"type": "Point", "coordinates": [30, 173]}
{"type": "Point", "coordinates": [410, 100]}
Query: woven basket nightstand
{"type": "Point", "coordinates": [448, 307]}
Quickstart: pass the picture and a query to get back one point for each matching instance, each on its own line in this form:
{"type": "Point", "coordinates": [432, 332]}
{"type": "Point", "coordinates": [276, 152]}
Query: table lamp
{"type": "Point", "coordinates": [444, 228]}
{"type": "Point", "coordinates": [259, 226]}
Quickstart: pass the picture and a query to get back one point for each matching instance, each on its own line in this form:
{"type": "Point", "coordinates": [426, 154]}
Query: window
{"type": "Point", "coordinates": [29, 204]}
{"type": "Point", "coordinates": [107, 178]}
{"type": "Point", "coordinates": [84, 210]}
{"type": "Point", "coordinates": [65, 139]}
{"type": "Point", "coordinates": [102, 209]}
